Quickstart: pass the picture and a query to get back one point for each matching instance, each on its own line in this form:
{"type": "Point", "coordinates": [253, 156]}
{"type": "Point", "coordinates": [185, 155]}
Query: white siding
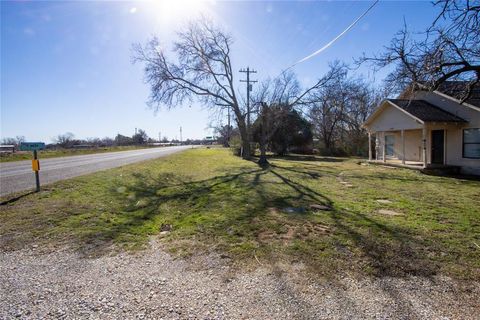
{"type": "Point", "coordinates": [391, 118]}
{"type": "Point", "coordinates": [454, 136]}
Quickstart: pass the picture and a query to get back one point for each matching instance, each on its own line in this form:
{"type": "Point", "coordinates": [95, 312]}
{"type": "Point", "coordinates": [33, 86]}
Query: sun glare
{"type": "Point", "coordinates": [168, 12]}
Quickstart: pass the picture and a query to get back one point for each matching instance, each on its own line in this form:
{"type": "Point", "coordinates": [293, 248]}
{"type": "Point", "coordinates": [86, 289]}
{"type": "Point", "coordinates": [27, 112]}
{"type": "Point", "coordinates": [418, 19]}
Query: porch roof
{"type": "Point", "coordinates": [425, 111]}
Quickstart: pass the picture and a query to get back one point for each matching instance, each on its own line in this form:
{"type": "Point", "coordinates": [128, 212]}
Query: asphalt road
{"type": "Point", "coordinates": [18, 175]}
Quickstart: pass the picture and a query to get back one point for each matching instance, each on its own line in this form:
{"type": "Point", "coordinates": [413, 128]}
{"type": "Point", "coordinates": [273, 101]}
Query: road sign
{"type": "Point", "coordinates": [35, 165]}
{"type": "Point", "coordinates": [32, 146]}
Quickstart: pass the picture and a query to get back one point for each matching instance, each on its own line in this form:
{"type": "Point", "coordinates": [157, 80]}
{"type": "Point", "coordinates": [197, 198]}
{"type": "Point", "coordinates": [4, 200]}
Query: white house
{"type": "Point", "coordinates": [428, 130]}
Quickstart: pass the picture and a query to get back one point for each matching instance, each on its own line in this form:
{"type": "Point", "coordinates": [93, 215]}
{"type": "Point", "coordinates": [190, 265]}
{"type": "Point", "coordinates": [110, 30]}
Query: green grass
{"type": "Point", "coordinates": [215, 201]}
{"type": "Point", "coordinates": [43, 154]}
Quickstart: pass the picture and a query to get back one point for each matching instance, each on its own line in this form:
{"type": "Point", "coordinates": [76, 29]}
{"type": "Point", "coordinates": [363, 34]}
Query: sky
{"type": "Point", "coordinates": [67, 66]}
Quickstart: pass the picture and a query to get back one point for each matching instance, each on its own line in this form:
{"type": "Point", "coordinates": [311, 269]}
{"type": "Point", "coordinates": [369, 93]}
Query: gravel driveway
{"type": "Point", "coordinates": [151, 284]}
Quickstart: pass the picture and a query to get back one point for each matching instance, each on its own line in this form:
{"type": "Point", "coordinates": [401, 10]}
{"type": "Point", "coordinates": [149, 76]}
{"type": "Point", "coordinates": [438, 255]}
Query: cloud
{"type": "Point", "coordinates": [133, 10]}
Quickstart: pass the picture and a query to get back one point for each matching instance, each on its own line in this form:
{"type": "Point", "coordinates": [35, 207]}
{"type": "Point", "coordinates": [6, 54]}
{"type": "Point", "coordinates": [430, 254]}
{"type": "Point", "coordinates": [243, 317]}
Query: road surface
{"type": "Point", "coordinates": [18, 175]}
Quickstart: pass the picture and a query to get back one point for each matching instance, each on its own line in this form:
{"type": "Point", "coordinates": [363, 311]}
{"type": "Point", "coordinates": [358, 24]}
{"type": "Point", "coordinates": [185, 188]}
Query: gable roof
{"type": "Point", "coordinates": [425, 111]}
{"type": "Point", "coordinates": [456, 90]}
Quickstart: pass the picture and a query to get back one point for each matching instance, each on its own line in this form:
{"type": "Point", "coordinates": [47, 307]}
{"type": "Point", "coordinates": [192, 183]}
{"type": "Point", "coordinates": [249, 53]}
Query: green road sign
{"type": "Point", "coordinates": [32, 146]}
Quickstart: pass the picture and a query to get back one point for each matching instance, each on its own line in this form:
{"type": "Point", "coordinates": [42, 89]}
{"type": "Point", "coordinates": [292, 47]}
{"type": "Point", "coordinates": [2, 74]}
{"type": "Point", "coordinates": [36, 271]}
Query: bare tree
{"type": "Point", "coordinates": [282, 93]}
{"type": "Point", "coordinates": [14, 141]}
{"type": "Point", "coordinates": [449, 50]}
{"type": "Point", "coordinates": [327, 105]}
{"type": "Point", "coordinates": [202, 70]}
{"type": "Point", "coordinates": [64, 140]}
{"type": "Point", "coordinates": [338, 110]}
{"type": "Point", "coordinates": [283, 90]}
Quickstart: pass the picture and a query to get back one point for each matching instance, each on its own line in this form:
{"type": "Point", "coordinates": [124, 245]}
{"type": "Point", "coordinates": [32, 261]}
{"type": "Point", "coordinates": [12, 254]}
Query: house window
{"type": "Point", "coordinates": [471, 143]}
{"type": "Point", "coordinates": [389, 145]}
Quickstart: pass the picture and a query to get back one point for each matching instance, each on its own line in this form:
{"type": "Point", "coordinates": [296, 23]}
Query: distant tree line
{"type": "Point", "coordinates": [67, 141]}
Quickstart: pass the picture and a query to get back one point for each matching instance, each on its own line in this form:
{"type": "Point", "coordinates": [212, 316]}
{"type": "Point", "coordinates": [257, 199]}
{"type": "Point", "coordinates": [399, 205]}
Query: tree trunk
{"type": "Point", "coordinates": [262, 161]}
{"type": "Point", "coordinates": [245, 142]}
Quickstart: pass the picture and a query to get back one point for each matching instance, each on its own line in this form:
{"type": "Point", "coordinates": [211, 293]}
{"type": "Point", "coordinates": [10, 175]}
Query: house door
{"type": "Point", "coordinates": [437, 146]}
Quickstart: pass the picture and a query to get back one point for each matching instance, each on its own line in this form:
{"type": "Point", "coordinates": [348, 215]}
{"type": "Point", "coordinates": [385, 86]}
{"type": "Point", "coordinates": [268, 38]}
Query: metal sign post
{"type": "Point", "coordinates": [34, 146]}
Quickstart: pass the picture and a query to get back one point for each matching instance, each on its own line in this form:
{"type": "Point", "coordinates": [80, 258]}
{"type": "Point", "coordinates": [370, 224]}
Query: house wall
{"type": "Point", "coordinates": [453, 148]}
{"type": "Point", "coordinates": [454, 133]}
{"type": "Point", "coordinates": [392, 118]}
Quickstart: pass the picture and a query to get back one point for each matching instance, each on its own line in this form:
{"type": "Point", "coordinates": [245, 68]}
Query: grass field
{"type": "Point", "coordinates": [43, 154]}
{"type": "Point", "coordinates": [215, 201]}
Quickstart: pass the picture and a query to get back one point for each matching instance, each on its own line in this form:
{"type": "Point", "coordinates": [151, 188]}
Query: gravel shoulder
{"type": "Point", "coordinates": [152, 284]}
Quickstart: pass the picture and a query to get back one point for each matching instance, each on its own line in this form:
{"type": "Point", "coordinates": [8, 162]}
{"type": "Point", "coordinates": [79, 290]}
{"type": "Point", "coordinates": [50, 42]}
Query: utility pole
{"type": "Point", "coordinates": [249, 88]}
{"type": "Point", "coordinates": [159, 136]}
{"type": "Point", "coordinates": [180, 134]}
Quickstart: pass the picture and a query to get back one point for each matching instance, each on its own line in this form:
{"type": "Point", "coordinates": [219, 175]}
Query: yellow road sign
{"type": "Point", "coordinates": [36, 165]}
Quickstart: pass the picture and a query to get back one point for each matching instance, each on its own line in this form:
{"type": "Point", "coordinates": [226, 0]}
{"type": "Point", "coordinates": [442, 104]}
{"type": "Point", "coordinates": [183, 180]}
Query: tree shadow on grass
{"type": "Point", "coordinates": [234, 209]}
{"type": "Point", "coordinates": [303, 157]}
{"type": "Point", "coordinates": [385, 250]}
{"type": "Point", "coordinates": [15, 198]}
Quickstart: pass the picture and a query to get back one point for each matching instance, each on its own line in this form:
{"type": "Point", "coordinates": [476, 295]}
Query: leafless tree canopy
{"type": "Point", "coordinates": [202, 70]}
{"type": "Point", "coordinates": [13, 141]}
{"type": "Point", "coordinates": [64, 140]}
{"type": "Point", "coordinates": [339, 108]}
{"type": "Point", "coordinates": [448, 50]}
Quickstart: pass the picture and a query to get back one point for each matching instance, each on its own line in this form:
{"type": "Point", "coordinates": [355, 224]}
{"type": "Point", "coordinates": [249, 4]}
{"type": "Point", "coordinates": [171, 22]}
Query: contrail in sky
{"type": "Point", "coordinates": [334, 39]}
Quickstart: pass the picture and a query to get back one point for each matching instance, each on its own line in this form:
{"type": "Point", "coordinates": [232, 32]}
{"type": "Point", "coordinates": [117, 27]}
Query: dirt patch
{"type": "Point", "coordinates": [384, 201]}
{"type": "Point", "coordinates": [387, 212]}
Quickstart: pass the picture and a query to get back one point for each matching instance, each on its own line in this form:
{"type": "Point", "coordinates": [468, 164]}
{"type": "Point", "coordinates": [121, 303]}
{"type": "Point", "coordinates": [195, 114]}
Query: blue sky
{"type": "Point", "coordinates": [66, 66]}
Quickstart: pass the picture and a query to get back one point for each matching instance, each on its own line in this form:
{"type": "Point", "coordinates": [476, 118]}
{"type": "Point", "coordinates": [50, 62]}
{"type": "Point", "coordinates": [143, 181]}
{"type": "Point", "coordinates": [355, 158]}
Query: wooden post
{"type": "Point", "coordinates": [403, 146]}
{"type": "Point", "coordinates": [37, 177]}
{"type": "Point", "coordinates": [369, 146]}
{"type": "Point", "coordinates": [424, 145]}
{"type": "Point", "coordinates": [383, 148]}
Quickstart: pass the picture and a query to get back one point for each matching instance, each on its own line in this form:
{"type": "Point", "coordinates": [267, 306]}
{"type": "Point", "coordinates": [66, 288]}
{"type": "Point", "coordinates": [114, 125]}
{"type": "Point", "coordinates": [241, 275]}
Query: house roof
{"type": "Point", "coordinates": [457, 89]}
{"type": "Point", "coordinates": [425, 111]}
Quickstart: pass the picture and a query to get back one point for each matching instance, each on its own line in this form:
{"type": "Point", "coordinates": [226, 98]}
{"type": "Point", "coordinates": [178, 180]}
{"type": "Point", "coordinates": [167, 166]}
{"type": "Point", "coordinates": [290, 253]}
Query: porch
{"type": "Point", "coordinates": [411, 148]}
{"type": "Point", "coordinates": [406, 148]}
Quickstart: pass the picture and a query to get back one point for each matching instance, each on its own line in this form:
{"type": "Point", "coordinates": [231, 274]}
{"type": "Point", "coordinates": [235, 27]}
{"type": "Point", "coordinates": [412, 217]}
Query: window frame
{"type": "Point", "coordinates": [464, 143]}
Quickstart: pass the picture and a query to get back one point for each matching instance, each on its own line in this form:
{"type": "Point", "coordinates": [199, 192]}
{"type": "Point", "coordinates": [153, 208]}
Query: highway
{"type": "Point", "coordinates": [18, 175]}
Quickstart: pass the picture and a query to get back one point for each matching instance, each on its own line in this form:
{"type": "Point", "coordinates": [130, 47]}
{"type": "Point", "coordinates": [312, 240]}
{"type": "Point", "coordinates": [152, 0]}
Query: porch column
{"type": "Point", "coordinates": [383, 148]}
{"type": "Point", "coordinates": [403, 146]}
{"type": "Point", "coordinates": [424, 145]}
{"type": "Point", "coordinates": [369, 146]}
